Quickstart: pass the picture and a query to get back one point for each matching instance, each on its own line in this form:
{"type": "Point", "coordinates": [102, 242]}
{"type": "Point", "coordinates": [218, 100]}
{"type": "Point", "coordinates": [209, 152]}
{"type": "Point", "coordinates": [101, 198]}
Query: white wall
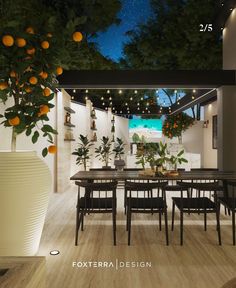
{"type": "Point", "coordinates": [209, 154]}
{"type": "Point", "coordinates": [25, 143]}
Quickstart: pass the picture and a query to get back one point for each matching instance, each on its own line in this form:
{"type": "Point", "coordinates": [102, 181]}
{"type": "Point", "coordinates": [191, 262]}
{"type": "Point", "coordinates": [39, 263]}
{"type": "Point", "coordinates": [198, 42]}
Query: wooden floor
{"type": "Point", "coordinates": [200, 263]}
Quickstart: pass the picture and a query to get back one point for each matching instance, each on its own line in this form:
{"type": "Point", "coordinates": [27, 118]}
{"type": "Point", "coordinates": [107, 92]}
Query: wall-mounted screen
{"type": "Point", "coordinates": [151, 129]}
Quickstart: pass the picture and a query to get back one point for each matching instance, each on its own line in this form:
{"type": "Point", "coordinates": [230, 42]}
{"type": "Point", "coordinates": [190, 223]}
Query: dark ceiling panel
{"type": "Point", "coordinates": [146, 79]}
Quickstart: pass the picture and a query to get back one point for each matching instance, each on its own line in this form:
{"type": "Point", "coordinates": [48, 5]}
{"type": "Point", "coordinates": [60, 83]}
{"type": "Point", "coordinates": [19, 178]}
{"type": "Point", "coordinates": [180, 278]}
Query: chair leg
{"type": "Point", "coordinates": [166, 226]}
{"type": "Point", "coordinates": [82, 220]}
{"type": "Point", "coordinates": [205, 221]}
{"type": "Point", "coordinates": [160, 220]}
{"type": "Point", "coordinates": [181, 227]}
{"type": "Point", "coordinates": [125, 201]}
{"type": "Point", "coordinates": [129, 224]}
{"type": "Point", "coordinates": [77, 226]}
{"type": "Point", "coordinates": [233, 226]}
{"type": "Point", "coordinates": [114, 225]}
{"type": "Point", "coordinates": [218, 224]}
{"type": "Point", "coordinates": [173, 216]}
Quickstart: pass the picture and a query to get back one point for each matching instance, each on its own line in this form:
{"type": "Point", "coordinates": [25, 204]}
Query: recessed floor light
{"type": "Point", "coordinates": [54, 252]}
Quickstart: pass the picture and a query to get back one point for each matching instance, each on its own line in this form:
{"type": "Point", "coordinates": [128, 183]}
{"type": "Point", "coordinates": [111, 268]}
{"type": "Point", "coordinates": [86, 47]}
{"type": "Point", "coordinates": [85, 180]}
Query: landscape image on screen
{"type": "Point", "coordinates": [149, 128]}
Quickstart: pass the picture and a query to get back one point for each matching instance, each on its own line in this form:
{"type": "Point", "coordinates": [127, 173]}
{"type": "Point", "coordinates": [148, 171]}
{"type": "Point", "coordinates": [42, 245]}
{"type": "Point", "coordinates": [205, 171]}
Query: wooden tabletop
{"type": "Point", "coordinates": [134, 175]}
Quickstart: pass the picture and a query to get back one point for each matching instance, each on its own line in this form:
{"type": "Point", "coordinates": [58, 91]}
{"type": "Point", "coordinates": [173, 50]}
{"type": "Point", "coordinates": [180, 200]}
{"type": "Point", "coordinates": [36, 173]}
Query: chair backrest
{"type": "Point", "coordinates": [133, 169]}
{"type": "Point", "coordinates": [202, 186]}
{"type": "Point", "coordinates": [97, 195]}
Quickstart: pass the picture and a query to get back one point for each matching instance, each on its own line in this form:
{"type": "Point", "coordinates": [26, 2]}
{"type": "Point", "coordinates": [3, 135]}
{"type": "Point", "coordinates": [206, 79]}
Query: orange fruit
{"type": "Point", "coordinates": [14, 121]}
{"type": "Point", "coordinates": [59, 70]}
{"type": "Point", "coordinates": [30, 30]}
{"type": "Point", "coordinates": [52, 149]}
{"type": "Point", "coordinates": [3, 85]}
{"type": "Point", "coordinates": [44, 109]}
{"type": "Point", "coordinates": [49, 35]}
{"type": "Point", "coordinates": [46, 92]}
{"type": "Point", "coordinates": [77, 36]}
{"type": "Point", "coordinates": [43, 75]}
{"type": "Point", "coordinates": [13, 74]}
{"type": "Point", "coordinates": [28, 89]}
{"type": "Point", "coordinates": [33, 80]}
{"type": "Point", "coordinates": [8, 40]}
{"type": "Point", "coordinates": [45, 45]}
{"type": "Point", "coordinates": [20, 42]}
{"type": "Point", "coordinates": [30, 51]}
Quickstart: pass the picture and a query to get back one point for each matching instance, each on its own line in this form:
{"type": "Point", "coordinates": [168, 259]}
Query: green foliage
{"type": "Point", "coordinates": [174, 125]}
{"type": "Point", "coordinates": [104, 150]}
{"type": "Point", "coordinates": [178, 159]}
{"type": "Point", "coordinates": [162, 155]}
{"type": "Point", "coordinates": [135, 138]}
{"type": "Point", "coordinates": [83, 151]}
{"type": "Point", "coordinates": [119, 149]}
{"type": "Point", "coordinates": [171, 39]}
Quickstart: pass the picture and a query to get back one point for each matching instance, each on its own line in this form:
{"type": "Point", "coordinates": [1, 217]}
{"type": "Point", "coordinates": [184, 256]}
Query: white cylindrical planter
{"type": "Point", "coordinates": [25, 183]}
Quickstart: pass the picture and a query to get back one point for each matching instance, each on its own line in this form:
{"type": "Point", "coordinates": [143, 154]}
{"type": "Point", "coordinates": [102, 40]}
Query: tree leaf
{"type": "Point", "coordinates": [35, 137]}
{"type": "Point", "coordinates": [45, 152]}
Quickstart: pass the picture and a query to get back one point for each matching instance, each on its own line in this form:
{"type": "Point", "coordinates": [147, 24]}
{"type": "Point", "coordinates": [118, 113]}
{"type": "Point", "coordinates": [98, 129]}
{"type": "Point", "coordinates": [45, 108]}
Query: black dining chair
{"type": "Point", "coordinates": [229, 202]}
{"type": "Point", "coordinates": [139, 200]}
{"type": "Point", "coordinates": [196, 204]}
{"type": "Point", "coordinates": [97, 198]}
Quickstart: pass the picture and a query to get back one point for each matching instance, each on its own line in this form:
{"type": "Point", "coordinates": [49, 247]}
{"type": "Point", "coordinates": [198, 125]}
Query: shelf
{"type": "Point", "coordinates": [69, 110]}
{"type": "Point", "coordinates": [69, 125]}
{"type": "Point", "coordinates": [69, 139]}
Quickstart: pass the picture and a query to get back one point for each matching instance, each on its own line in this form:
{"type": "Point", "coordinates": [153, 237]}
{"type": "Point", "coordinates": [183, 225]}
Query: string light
{"type": "Point", "coordinates": [74, 91]}
{"type": "Point", "coordinates": [138, 108]}
{"type": "Point", "coordinates": [106, 108]}
{"type": "Point", "coordinates": [126, 104]}
{"type": "Point", "coordinates": [135, 91]}
{"type": "Point", "coordinates": [193, 97]}
{"type": "Point", "coordinates": [86, 98]}
{"type": "Point", "coordinates": [146, 108]}
{"type": "Point", "coordinates": [141, 99]}
{"type": "Point", "coordinates": [194, 90]}
{"type": "Point", "coordinates": [131, 98]}
{"type": "Point", "coordinates": [121, 111]}
{"type": "Point", "coordinates": [178, 103]}
{"type": "Point", "coordinates": [102, 98]}
{"type": "Point", "coordinates": [120, 91]}
{"type": "Point", "coordinates": [143, 112]}
{"type": "Point", "coordinates": [108, 91]}
{"type": "Point", "coordinates": [103, 103]}
{"type": "Point", "coordinates": [86, 91]}
{"type": "Point", "coordinates": [149, 112]}
{"type": "Point", "coordinates": [138, 104]}
{"type": "Point", "coordinates": [110, 98]}
{"type": "Point", "coordinates": [113, 108]}
{"type": "Point", "coordinates": [176, 91]}
{"type": "Point", "coordinates": [72, 98]}
{"type": "Point", "coordinates": [111, 103]}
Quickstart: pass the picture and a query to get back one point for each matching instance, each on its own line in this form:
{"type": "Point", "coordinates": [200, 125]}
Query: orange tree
{"type": "Point", "coordinates": [34, 49]}
{"type": "Point", "coordinates": [174, 125]}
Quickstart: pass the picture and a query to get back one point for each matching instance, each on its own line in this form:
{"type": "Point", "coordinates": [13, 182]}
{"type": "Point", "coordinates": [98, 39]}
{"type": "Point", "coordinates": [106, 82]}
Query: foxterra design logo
{"type": "Point", "coordinates": [117, 264]}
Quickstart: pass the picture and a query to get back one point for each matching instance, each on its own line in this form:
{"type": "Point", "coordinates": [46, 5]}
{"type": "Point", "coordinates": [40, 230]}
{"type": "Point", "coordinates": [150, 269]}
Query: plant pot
{"type": "Point", "coordinates": [24, 192]}
{"type": "Point", "coordinates": [119, 164]}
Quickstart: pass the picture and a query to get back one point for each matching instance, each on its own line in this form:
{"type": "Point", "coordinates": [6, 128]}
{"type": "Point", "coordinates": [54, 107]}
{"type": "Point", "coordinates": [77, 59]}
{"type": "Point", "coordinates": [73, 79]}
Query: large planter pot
{"type": "Point", "coordinates": [24, 193]}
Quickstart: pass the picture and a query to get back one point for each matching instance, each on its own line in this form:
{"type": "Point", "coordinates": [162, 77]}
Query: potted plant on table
{"type": "Point", "coordinates": [119, 150]}
{"type": "Point", "coordinates": [175, 160]}
{"type": "Point", "coordinates": [83, 151]}
{"type": "Point", "coordinates": [33, 50]}
{"type": "Point", "coordinates": [104, 151]}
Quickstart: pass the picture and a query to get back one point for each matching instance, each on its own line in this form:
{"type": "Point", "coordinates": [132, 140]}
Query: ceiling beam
{"type": "Point", "coordinates": [130, 79]}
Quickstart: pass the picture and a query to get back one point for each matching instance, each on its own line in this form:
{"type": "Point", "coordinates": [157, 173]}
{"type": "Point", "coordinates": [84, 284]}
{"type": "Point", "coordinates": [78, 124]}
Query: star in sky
{"type": "Point", "coordinates": [131, 14]}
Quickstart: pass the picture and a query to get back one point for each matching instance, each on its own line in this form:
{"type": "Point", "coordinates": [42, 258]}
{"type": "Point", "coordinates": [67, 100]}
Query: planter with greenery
{"type": "Point", "coordinates": [83, 151]}
{"type": "Point", "coordinates": [177, 159]}
{"type": "Point", "coordinates": [104, 151]}
{"type": "Point", "coordinates": [34, 49]}
{"type": "Point", "coordinates": [119, 150]}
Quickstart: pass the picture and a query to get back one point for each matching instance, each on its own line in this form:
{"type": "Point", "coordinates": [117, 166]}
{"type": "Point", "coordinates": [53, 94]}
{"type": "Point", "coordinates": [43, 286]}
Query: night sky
{"type": "Point", "coordinates": [132, 13]}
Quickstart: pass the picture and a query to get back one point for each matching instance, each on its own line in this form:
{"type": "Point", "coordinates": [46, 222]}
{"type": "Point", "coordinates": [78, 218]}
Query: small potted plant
{"type": "Point", "coordinates": [104, 151]}
{"type": "Point", "coordinates": [162, 159]}
{"type": "Point", "coordinates": [83, 151]}
{"type": "Point", "coordinates": [175, 160]}
{"type": "Point", "coordinates": [119, 150]}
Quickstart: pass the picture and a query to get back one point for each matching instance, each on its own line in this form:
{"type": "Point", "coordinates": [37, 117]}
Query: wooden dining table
{"type": "Point", "coordinates": [135, 175]}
